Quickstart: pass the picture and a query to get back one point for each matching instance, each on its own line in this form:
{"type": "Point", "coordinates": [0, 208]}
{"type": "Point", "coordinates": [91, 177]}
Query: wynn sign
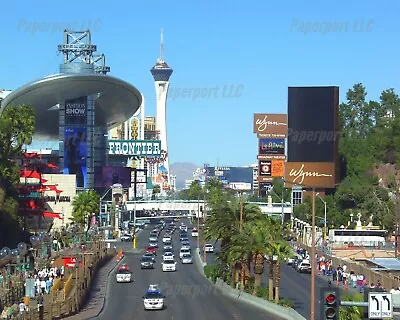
{"type": "Point", "coordinates": [270, 125]}
{"type": "Point", "coordinates": [310, 174]}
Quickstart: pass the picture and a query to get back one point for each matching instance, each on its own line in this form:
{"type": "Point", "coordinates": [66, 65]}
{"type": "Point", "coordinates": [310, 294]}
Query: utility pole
{"type": "Point", "coordinates": [241, 211]}
{"type": "Point", "coordinates": [282, 198]}
{"type": "Point", "coordinates": [198, 221]}
{"type": "Point", "coordinates": [313, 259]}
{"type": "Point", "coordinates": [204, 225]}
{"type": "Point", "coordinates": [396, 236]}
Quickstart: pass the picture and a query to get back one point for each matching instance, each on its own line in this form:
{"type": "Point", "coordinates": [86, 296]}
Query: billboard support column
{"type": "Point", "coordinates": [90, 143]}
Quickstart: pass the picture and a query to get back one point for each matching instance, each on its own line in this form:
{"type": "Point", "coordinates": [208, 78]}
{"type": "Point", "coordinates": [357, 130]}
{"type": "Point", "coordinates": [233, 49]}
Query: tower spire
{"type": "Point", "coordinates": [162, 45]}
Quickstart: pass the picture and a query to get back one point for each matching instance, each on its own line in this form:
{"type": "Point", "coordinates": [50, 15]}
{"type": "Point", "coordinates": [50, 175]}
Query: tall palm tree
{"type": "Point", "coordinates": [84, 205]}
{"type": "Point", "coordinates": [281, 251]}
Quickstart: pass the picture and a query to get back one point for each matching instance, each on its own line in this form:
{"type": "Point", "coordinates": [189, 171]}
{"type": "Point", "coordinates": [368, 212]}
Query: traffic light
{"type": "Point", "coordinates": [331, 303]}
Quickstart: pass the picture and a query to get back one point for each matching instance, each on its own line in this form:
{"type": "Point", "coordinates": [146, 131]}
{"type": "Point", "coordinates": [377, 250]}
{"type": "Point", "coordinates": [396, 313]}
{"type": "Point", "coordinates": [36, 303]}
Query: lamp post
{"type": "Point", "coordinates": [198, 221]}
{"type": "Point", "coordinates": [281, 198]}
{"type": "Point", "coordinates": [241, 211]}
{"type": "Point", "coordinates": [324, 214]}
{"type": "Point", "coordinates": [134, 224]}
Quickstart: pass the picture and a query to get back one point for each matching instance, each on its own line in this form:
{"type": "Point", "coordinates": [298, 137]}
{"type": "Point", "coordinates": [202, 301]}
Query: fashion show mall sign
{"type": "Point", "coordinates": [150, 148]}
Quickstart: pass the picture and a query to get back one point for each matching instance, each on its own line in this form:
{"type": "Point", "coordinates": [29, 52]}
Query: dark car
{"type": "Point", "coordinates": [146, 263]}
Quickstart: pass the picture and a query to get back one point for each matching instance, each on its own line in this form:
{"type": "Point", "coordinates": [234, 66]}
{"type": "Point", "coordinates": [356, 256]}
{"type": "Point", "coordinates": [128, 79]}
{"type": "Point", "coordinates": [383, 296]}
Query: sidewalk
{"type": "Point", "coordinates": [97, 295]}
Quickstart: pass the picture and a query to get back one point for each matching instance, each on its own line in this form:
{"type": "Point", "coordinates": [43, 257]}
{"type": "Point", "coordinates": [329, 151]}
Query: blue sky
{"type": "Point", "coordinates": [260, 47]}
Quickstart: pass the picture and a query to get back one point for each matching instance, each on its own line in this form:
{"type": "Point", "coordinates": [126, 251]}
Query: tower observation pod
{"type": "Point", "coordinates": [161, 73]}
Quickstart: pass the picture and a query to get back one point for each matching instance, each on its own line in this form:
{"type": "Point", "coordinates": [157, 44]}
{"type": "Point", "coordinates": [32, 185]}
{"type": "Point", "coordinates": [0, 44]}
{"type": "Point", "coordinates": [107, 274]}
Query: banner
{"type": "Point", "coordinates": [76, 111]}
{"type": "Point", "coordinates": [269, 169]}
{"type": "Point", "coordinates": [75, 155]}
{"type": "Point", "coordinates": [140, 148]}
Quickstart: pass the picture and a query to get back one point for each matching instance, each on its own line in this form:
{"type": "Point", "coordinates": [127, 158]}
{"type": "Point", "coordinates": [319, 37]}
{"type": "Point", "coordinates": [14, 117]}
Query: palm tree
{"type": "Point", "coordinates": [281, 251]}
{"type": "Point", "coordinates": [84, 205]}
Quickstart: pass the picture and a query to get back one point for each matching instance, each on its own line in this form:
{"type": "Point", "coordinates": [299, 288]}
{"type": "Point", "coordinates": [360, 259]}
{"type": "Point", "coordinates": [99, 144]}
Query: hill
{"type": "Point", "coordinates": [183, 171]}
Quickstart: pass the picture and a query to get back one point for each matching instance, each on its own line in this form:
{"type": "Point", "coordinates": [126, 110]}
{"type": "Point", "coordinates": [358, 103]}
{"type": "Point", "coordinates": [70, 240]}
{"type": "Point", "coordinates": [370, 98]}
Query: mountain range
{"type": "Point", "coordinates": [183, 171]}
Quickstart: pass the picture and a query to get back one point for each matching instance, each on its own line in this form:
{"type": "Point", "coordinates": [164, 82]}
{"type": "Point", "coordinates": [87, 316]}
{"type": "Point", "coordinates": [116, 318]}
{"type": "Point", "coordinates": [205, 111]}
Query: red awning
{"type": "Point", "coordinates": [53, 215]}
{"type": "Point", "coordinates": [29, 174]}
{"type": "Point", "coordinates": [32, 155]}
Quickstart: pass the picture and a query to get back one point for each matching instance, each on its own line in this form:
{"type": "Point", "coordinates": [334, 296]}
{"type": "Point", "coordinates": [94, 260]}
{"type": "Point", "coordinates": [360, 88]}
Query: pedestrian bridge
{"type": "Point", "coordinates": [193, 205]}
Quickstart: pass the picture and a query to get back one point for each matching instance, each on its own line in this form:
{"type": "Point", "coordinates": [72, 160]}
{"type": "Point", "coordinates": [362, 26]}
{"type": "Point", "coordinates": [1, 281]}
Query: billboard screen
{"type": "Point", "coordinates": [105, 177]}
{"type": "Point", "coordinates": [75, 155]}
{"type": "Point", "coordinates": [269, 146]}
{"type": "Point", "coordinates": [270, 124]}
{"type": "Point", "coordinates": [231, 174]}
{"type": "Point", "coordinates": [268, 169]}
{"type": "Point", "coordinates": [76, 111]}
{"type": "Point", "coordinates": [313, 124]}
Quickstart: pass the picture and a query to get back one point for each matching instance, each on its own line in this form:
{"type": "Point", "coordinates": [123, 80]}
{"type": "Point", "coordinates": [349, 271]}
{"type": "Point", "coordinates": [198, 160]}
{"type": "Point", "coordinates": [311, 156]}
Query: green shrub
{"type": "Point", "coordinates": [284, 302]}
{"type": "Point", "coordinates": [212, 272]}
{"type": "Point", "coordinates": [262, 292]}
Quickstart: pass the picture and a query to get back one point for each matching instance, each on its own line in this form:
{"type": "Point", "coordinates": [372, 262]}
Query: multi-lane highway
{"type": "Point", "coordinates": [188, 294]}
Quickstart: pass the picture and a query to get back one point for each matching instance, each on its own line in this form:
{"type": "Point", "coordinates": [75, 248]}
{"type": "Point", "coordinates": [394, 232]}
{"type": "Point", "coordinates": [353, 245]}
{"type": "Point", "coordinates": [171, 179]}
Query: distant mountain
{"type": "Point", "coordinates": [183, 171]}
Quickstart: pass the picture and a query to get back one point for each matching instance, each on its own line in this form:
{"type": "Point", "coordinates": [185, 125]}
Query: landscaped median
{"type": "Point", "coordinates": [208, 272]}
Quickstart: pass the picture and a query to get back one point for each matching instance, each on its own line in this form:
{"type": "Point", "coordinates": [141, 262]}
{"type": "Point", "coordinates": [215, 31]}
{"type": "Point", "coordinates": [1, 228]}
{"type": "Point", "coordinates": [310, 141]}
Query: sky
{"type": "Point", "coordinates": [242, 55]}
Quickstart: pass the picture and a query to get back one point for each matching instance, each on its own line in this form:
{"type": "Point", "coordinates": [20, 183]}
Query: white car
{"type": "Point", "coordinates": [209, 248]}
{"type": "Point", "coordinates": [185, 246]}
{"type": "Point", "coordinates": [166, 239]}
{"type": "Point", "coordinates": [153, 299]}
{"type": "Point", "coordinates": [126, 237]}
{"type": "Point", "coordinates": [183, 227]}
{"type": "Point", "coordinates": [195, 232]}
{"type": "Point", "coordinates": [168, 265]}
{"type": "Point", "coordinates": [124, 276]}
{"type": "Point", "coordinates": [168, 256]}
{"type": "Point", "coordinates": [187, 259]}
{"type": "Point", "coordinates": [183, 252]}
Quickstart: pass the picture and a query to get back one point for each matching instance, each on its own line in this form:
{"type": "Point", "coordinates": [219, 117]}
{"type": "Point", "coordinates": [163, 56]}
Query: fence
{"type": "Point", "coordinates": [70, 296]}
{"type": "Point", "coordinates": [387, 281]}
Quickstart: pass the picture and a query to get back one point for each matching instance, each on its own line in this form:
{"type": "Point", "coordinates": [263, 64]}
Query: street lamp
{"type": "Point", "coordinates": [281, 198]}
{"type": "Point", "coordinates": [324, 214]}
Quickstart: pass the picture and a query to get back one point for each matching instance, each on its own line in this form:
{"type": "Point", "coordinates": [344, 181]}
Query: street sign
{"type": "Point", "coordinates": [380, 305]}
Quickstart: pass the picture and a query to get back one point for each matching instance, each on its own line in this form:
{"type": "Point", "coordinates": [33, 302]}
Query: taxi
{"type": "Point", "coordinates": [153, 299]}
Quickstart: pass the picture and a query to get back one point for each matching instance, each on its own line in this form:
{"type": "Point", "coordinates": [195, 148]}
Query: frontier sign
{"type": "Point", "coordinates": [140, 148]}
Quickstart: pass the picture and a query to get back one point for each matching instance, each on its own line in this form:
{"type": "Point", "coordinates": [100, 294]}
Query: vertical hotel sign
{"type": "Point", "coordinates": [271, 130]}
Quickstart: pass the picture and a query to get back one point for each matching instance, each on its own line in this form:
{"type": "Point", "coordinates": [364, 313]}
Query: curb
{"type": "Point", "coordinates": [257, 302]}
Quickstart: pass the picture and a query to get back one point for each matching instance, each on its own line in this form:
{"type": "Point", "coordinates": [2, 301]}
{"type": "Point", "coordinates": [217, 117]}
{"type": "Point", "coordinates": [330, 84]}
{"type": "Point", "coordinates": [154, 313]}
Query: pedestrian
{"type": "Point", "coordinates": [40, 301]}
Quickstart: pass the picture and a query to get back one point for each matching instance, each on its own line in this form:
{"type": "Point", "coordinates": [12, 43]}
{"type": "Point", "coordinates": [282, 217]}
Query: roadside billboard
{"type": "Point", "coordinates": [267, 124]}
{"type": "Point", "coordinates": [310, 174]}
{"type": "Point", "coordinates": [75, 154]}
{"type": "Point", "coordinates": [139, 148]}
{"type": "Point", "coordinates": [76, 111]}
{"type": "Point", "coordinates": [269, 169]}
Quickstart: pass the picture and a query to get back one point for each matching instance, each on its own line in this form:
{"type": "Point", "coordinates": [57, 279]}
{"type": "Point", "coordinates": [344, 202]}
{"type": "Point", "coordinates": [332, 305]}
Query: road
{"type": "Point", "coordinates": [188, 294]}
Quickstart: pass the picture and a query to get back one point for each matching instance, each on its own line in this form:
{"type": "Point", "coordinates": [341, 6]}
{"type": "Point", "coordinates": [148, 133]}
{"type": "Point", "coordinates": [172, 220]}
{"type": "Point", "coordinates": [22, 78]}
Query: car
{"type": "Point", "coordinates": [168, 247]}
{"type": "Point", "coordinates": [153, 238]}
{"type": "Point", "coordinates": [187, 259]}
{"type": "Point", "coordinates": [184, 238]}
{"type": "Point", "coordinates": [123, 266]}
{"type": "Point", "coordinates": [153, 244]}
{"type": "Point", "coordinates": [183, 227]}
{"type": "Point", "coordinates": [168, 265]}
{"type": "Point", "coordinates": [195, 232]}
{"type": "Point", "coordinates": [153, 299]}
{"type": "Point", "coordinates": [183, 252]}
{"type": "Point", "coordinates": [185, 246]}
{"type": "Point", "coordinates": [209, 248]}
{"type": "Point", "coordinates": [146, 263]}
{"type": "Point", "coordinates": [167, 238]}
{"type": "Point", "coordinates": [124, 275]}
{"type": "Point", "coordinates": [152, 250]}
{"type": "Point", "coordinates": [168, 256]}
{"type": "Point", "coordinates": [126, 237]}
{"type": "Point", "coordinates": [185, 242]}
{"type": "Point", "coordinates": [150, 255]}
{"type": "Point", "coordinates": [304, 267]}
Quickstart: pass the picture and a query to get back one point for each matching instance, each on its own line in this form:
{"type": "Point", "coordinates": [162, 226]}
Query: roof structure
{"type": "Point", "coordinates": [387, 264]}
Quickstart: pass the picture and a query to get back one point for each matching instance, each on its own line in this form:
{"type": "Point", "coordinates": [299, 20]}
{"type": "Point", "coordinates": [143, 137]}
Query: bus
{"type": "Point", "coordinates": [365, 238]}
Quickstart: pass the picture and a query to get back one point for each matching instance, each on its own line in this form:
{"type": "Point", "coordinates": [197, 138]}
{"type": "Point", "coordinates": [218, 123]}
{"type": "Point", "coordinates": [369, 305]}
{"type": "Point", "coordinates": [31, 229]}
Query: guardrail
{"type": "Point", "coordinates": [268, 306]}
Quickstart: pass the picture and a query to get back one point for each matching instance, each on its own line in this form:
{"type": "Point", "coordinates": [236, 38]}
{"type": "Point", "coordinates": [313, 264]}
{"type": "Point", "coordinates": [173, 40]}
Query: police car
{"type": "Point", "coordinates": [153, 299]}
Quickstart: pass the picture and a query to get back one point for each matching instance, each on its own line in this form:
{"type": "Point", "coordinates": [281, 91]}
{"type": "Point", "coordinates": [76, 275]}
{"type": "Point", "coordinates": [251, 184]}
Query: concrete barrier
{"type": "Point", "coordinates": [225, 289]}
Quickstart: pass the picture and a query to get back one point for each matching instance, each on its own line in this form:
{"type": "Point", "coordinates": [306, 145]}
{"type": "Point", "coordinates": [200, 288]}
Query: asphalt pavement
{"type": "Point", "coordinates": [188, 294]}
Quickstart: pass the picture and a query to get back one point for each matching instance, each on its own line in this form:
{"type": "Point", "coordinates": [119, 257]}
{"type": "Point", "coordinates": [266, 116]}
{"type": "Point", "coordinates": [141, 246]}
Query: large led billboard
{"type": "Point", "coordinates": [76, 111]}
{"type": "Point", "coordinates": [75, 155]}
{"type": "Point", "coordinates": [105, 177]}
{"type": "Point", "coordinates": [269, 146]}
